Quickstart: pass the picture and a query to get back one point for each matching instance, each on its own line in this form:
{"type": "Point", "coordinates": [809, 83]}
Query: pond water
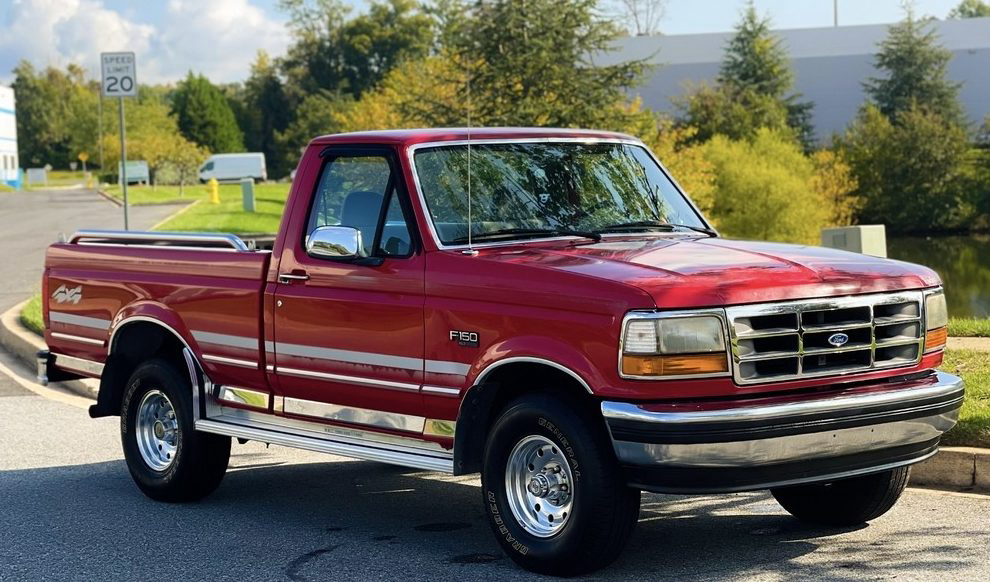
{"type": "Point", "coordinates": [962, 261]}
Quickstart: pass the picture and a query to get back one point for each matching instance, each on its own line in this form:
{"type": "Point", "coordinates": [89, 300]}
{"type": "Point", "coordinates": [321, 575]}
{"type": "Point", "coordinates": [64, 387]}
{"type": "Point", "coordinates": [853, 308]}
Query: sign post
{"type": "Point", "coordinates": [120, 80]}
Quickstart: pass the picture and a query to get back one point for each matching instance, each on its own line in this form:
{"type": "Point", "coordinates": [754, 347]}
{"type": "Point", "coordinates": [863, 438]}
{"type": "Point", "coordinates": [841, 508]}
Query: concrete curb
{"type": "Point", "coordinates": [955, 468]}
{"type": "Point", "coordinates": [24, 344]}
{"type": "Point", "coordinates": [175, 214]}
{"type": "Point", "coordinates": [110, 198]}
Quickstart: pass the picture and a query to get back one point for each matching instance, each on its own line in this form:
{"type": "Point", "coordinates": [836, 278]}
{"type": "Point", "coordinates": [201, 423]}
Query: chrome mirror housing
{"type": "Point", "coordinates": [334, 242]}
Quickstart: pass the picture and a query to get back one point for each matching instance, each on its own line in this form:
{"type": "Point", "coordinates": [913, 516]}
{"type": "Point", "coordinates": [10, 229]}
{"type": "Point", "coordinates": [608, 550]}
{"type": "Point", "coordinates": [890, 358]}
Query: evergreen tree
{"type": "Point", "coordinates": [915, 67]}
{"type": "Point", "coordinates": [753, 89]}
{"type": "Point", "coordinates": [267, 110]}
{"type": "Point", "coordinates": [205, 117]}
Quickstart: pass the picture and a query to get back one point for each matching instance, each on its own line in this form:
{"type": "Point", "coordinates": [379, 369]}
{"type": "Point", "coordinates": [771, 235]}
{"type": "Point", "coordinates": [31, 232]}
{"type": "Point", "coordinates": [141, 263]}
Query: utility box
{"type": "Point", "coordinates": [868, 239]}
{"type": "Point", "coordinates": [247, 193]}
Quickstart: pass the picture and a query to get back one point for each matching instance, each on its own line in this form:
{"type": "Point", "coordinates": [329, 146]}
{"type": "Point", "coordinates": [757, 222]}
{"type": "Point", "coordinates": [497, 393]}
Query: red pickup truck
{"type": "Point", "coordinates": [545, 307]}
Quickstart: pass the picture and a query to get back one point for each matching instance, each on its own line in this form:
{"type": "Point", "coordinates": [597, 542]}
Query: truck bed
{"type": "Point", "coordinates": [206, 287]}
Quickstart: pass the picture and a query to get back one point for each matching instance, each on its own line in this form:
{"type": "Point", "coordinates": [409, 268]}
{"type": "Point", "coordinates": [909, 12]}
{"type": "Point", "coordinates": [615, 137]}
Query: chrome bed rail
{"type": "Point", "coordinates": [199, 240]}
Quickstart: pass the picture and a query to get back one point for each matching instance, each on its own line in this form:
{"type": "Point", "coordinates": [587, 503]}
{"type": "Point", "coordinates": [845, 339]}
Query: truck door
{"type": "Point", "coordinates": [349, 333]}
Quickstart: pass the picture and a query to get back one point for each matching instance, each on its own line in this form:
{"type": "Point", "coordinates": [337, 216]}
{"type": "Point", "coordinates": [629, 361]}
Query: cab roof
{"type": "Point", "coordinates": [407, 137]}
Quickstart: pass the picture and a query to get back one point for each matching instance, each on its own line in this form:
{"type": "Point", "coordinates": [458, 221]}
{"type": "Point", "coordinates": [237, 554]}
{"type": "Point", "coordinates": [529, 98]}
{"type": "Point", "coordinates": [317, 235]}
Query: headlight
{"type": "Point", "coordinates": [936, 321]}
{"type": "Point", "coordinates": [656, 345]}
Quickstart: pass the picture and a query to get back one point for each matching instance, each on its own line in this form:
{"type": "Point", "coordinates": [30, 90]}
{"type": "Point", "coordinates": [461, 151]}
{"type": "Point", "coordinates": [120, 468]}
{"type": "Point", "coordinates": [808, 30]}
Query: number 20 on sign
{"type": "Point", "coordinates": [119, 74]}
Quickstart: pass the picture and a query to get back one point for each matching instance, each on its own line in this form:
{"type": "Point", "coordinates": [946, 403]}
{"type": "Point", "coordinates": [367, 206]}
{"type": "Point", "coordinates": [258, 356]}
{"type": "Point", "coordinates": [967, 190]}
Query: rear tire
{"type": "Point", "coordinates": [167, 458]}
{"type": "Point", "coordinates": [847, 501]}
{"type": "Point", "coordinates": [555, 530]}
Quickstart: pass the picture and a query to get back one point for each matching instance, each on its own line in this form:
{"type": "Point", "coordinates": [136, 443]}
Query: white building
{"type": "Point", "coordinates": [829, 64]}
{"type": "Point", "coordinates": [9, 172]}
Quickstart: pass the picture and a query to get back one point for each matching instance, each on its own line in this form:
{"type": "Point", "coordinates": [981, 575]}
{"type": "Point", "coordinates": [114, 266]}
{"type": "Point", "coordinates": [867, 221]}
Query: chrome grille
{"type": "Point", "coordinates": [802, 339]}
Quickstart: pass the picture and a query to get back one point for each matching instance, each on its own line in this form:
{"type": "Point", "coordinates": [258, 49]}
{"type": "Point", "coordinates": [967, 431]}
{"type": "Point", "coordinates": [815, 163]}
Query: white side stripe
{"type": "Point", "coordinates": [230, 361]}
{"type": "Point", "coordinates": [82, 321]}
{"type": "Point", "coordinates": [76, 338]}
{"type": "Point", "coordinates": [348, 379]}
{"type": "Point", "coordinates": [442, 367]}
{"type": "Point", "coordinates": [336, 355]}
{"type": "Point", "coordinates": [222, 339]}
{"type": "Point", "coordinates": [441, 390]}
{"type": "Point", "coordinates": [350, 357]}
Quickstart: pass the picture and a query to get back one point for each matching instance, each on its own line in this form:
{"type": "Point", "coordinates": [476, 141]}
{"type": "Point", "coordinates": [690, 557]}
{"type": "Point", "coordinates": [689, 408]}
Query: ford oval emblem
{"type": "Point", "coordinates": [838, 339]}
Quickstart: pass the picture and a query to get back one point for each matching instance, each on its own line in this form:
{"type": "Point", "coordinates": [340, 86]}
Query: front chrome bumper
{"type": "Point", "coordinates": [704, 449]}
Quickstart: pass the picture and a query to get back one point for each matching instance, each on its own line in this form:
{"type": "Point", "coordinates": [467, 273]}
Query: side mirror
{"type": "Point", "coordinates": [334, 242]}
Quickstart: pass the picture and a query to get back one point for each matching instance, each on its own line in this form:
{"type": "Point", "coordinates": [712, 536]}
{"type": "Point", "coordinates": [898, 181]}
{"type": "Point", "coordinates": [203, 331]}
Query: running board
{"type": "Point", "coordinates": [394, 455]}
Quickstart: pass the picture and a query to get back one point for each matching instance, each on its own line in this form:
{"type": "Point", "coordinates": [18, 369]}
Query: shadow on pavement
{"type": "Point", "coordinates": [357, 520]}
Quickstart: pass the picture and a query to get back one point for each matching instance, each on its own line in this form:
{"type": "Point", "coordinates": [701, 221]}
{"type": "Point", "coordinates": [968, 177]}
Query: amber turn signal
{"type": "Point", "coordinates": [935, 339]}
{"type": "Point", "coordinates": [674, 365]}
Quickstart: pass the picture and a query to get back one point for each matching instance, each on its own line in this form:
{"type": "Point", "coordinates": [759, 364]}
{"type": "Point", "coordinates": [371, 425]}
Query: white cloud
{"type": "Point", "coordinates": [216, 37]}
{"type": "Point", "coordinates": [219, 38]}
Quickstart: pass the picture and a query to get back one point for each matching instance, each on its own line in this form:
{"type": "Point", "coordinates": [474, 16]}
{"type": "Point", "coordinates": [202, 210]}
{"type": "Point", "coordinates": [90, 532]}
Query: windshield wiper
{"type": "Point", "coordinates": [654, 224]}
{"type": "Point", "coordinates": [527, 232]}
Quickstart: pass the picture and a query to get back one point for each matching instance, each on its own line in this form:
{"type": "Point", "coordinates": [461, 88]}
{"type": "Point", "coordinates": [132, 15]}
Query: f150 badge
{"type": "Point", "coordinates": [65, 295]}
{"type": "Point", "coordinates": [465, 339]}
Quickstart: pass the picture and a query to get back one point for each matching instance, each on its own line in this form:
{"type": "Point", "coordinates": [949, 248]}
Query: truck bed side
{"type": "Point", "coordinates": [210, 298]}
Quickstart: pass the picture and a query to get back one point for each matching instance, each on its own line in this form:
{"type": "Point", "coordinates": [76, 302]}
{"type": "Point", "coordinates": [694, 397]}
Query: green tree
{"type": "Point", "coordinates": [971, 9]}
{"type": "Point", "coordinates": [266, 112]}
{"type": "Point", "coordinates": [753, 89]}
{"type": "Point", "coordinates": [333, 52]}
{"type": "Point", "coordinates": [530, 62]}
{"type": "Point", "coordinates": [914, 69]}
{"type": "Point", "coordinates": [911, 170]}
{"type": "Point", "coordinates": [765, 188]}
{"type": "Point", "coordinates": [204, 115]}
{"type": "Point", "coordinates": [316, 115]}
{"type": "Point", "coordinates": [56, 114]}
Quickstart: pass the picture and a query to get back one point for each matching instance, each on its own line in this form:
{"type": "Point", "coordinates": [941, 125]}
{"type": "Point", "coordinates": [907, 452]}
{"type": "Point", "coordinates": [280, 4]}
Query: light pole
{"type": "Point", "coordinates": [835, 13]}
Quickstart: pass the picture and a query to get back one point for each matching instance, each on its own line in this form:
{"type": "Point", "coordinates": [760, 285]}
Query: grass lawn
{"type": "Point", "coordinates": [969, 326]}
{"type": "Point", "coordinates": [31, 315]}
{"type": "Point", "coordinates": [229, 215]}
{"type": "Point", "coordinates": [973, 429]}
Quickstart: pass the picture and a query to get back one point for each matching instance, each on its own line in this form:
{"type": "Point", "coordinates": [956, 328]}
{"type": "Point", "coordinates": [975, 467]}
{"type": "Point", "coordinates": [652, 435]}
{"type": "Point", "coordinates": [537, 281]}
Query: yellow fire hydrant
{"type": "Point", "coordinates": [214, 188]}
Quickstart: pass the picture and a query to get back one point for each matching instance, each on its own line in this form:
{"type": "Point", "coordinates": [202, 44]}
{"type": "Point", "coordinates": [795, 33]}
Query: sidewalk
{"type": "Point", "coordinates": [979, 344]}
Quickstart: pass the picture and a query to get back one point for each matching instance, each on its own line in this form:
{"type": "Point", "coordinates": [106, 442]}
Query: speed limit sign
{"type": "Point", "coordinates": [119, 74]}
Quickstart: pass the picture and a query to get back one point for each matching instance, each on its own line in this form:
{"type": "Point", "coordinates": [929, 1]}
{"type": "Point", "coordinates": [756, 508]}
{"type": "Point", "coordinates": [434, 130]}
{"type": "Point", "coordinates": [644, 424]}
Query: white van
{"type": "Point", "coordinates": [227, 167]}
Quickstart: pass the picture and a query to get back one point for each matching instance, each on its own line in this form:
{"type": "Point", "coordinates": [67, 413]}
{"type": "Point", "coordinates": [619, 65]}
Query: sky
{"type": "Point", "coordinates": [220, 38]}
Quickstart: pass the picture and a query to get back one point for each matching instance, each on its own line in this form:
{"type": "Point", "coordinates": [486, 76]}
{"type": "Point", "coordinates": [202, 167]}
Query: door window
{"type": "Point", "coordinates": [353, 191]}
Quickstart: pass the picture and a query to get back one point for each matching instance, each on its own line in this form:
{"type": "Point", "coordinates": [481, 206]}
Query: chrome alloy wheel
{"type": "Point", "coordinates": [157, 430]}
{"type": "Point", "coordinates": [539, 486]}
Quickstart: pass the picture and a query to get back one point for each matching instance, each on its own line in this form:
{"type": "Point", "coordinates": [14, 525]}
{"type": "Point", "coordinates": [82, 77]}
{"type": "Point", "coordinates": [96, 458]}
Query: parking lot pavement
{"type": "Point", "coordinates": [71, 512]}
{"type": "Point", "coordinates": [30, 221]}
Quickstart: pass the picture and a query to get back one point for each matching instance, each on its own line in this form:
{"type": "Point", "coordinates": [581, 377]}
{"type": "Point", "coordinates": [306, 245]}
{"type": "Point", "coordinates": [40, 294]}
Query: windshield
{"type": "Point", "coordinates": [521, 189]}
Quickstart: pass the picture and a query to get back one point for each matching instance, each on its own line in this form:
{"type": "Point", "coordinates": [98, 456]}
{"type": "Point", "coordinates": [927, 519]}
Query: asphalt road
{"type": "Point", "coordinates": [71, 512]}
{"type": "Point", "coordinates": [30, 221]}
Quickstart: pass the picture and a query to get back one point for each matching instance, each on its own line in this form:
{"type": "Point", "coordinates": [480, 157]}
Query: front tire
{"type": "Point", "coordinates": [554, 492]}
{"type": "Point", "coordinates": [167, 458]}
{"type": "Point", "coordinates": [847, 501]}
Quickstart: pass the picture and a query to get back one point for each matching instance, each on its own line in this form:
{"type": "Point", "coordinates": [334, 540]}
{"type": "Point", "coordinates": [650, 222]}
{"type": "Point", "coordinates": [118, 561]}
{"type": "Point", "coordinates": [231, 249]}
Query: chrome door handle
{"type": "Point", "coordinates": [290, 277]}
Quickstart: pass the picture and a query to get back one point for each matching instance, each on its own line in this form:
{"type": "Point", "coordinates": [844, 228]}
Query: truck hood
{"type": "Point", "coordinates": [682, 272]}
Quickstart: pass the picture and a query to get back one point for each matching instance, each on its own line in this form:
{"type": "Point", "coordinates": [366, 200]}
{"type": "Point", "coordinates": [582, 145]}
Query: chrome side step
{"type": "Point", "coordinates": [357, 446]}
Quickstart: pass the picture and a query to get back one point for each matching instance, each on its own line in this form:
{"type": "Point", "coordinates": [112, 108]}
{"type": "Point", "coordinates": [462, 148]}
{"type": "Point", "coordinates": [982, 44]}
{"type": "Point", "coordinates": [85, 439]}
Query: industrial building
{"type": "Point", "coordinates": [830, 66]}
{"type": "Point", "coordinates": [10, 174]}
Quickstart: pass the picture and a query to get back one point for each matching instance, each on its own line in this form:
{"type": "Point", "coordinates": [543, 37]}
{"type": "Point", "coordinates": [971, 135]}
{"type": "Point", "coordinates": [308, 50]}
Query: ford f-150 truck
{"type": "Point", "coordinates": [545, 307]}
